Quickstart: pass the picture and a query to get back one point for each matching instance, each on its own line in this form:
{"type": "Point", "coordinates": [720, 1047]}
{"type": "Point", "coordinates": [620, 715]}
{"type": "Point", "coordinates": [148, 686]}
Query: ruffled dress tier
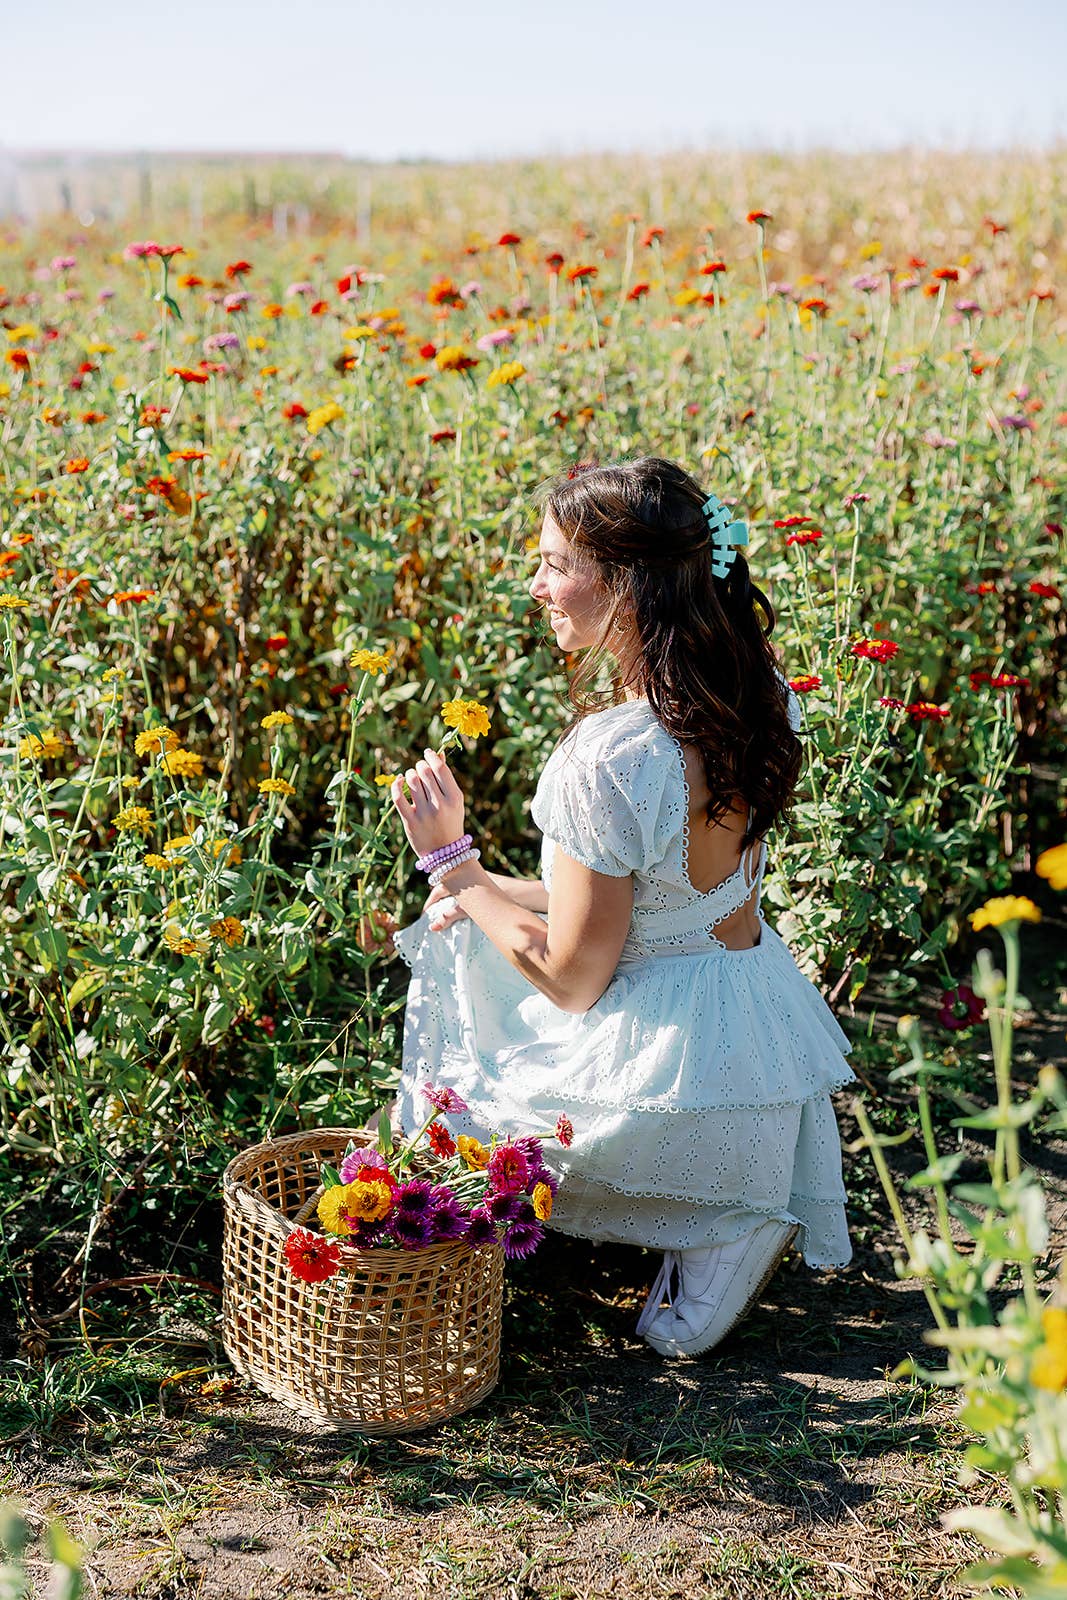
{"type": "Point", "coordinates": [699, 1083]}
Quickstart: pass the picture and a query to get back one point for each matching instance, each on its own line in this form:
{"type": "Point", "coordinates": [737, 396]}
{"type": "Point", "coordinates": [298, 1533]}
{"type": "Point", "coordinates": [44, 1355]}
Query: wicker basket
{"type": "Point", "coordinates": [394, 1341]}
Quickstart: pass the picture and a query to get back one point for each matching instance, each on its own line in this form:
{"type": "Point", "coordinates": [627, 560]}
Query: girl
{"type": "Point", "coordinates": [636, 986]}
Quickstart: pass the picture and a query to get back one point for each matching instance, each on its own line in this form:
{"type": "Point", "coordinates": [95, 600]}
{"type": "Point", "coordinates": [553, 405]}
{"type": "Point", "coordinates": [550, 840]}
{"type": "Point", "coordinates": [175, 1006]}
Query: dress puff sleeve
{"type": "Point", "coordinates": [606, 808]}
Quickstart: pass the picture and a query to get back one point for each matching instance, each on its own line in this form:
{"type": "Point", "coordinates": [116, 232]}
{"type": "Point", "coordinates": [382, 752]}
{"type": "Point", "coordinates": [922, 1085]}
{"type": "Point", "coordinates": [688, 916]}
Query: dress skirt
{"type": "Point", "coordinates": [698, 1086]}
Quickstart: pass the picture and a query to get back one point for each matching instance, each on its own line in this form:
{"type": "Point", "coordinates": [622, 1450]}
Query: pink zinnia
{"type": "Point", "coordinates": [508, 1169]}
{"type": "Point", "coordinates": [564, 1131]}
{"type": "Point", "coordinates": [444, 1100]}
{"type": "Point", "coordinates": [360, 1160]}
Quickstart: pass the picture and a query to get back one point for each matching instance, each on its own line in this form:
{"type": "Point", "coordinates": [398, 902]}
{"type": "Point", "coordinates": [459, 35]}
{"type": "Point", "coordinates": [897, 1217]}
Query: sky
{"type": "Point", "coordinates": [457, 81]}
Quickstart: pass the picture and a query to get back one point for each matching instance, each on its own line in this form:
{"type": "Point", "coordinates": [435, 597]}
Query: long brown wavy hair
{"type": "Point", "coordinates": [706, 663]}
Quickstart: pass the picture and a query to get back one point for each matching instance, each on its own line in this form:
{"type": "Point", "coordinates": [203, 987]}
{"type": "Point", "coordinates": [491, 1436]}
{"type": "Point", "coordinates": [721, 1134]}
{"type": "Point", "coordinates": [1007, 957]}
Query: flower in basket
{"type": "Point", "coordinates": [435, 1189]}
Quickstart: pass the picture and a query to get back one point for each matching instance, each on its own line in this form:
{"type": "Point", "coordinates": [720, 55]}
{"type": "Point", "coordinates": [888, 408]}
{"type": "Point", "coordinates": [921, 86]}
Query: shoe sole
{"type": "Point", "coordinates": [697, 1347]}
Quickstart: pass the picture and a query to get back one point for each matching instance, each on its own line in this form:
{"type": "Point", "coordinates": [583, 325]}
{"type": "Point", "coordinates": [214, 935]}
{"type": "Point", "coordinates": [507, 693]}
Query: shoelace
{"type": "Point", "coordinates": [672, 1263]}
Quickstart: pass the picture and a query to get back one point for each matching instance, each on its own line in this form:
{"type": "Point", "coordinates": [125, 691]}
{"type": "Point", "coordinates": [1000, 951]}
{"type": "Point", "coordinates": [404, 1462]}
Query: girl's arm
{"type": "Point", "coordinates": [530, 893]}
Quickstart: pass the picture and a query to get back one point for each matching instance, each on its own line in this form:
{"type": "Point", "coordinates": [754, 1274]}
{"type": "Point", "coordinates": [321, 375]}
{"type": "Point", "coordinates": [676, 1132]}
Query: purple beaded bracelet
{"type": "Point", "coordinates": [444, 853]}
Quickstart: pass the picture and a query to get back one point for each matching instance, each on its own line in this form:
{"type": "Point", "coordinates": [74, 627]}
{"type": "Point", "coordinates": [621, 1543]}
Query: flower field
{"type": "Point", "coordinates": [266, 532]}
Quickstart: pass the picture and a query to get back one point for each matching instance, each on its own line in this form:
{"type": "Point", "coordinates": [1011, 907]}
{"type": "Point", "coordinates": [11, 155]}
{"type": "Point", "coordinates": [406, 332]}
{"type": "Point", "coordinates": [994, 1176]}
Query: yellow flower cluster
{"type": "Point", "coordinates": [322, 416]}
{"type": "Point", "coordinates": [216, 846]}
{"type": "Point", "coordinates": [12, 602]}
{"type": "Point", "coordinates": [181, 944]}
{"type": "Point", "coordinates": [373, 661]}
{"type": "Point", "coordinates": [160, 863]}
{"type": "Point", "coordinates": [45, 748]}
{"type": "Point", "coordinates": [450, 358]}
{"type": "Point", "coordinates": [183, 764]}
{"type": "Point", "coordinates": [275, 786]}
{"type": "Point", "coordinates": [229, 930]}
{"type": "Point", "coordinates": [345, 1205]}
{"type": "Point", "coordinates": [542, 1201]}
{"type": "Point", "coordinates": [154, 739]}
{"type": "Point", "coordinates": [510, 372]}
{"type": "Point", "coordinates": [1005, 908]}
{"type": "Point", "coordinates": [131, 817]}
{"type": "Point", "coordinates": [180, 843]}
{"type": "Point", "coordinates": [276, 719]}
{"type": "Point", "coordinates": [469, 716]}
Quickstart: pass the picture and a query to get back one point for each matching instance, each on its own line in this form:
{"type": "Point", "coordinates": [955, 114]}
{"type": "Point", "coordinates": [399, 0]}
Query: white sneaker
{"type": "Point", "coordinates": [717, 1286]}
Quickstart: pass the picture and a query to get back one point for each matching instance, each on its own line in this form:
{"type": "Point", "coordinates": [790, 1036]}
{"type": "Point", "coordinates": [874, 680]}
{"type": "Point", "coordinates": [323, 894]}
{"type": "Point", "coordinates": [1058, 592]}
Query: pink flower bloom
{"type": "Point", "coordinates": [63, 263]}
{"type": "Point", "coordinates": [444, 1100]}
{"type": "Point", "coordinates": [937, 440]}
{"type": "Point", "coordinates": [299, 288]}
{"type": "Point", "coordinates": [490, 341]}
{"type": "Point", "coordinates": [360, 1160]}
{"type": "Point", "coordinates": [237, 301]}
{"type": "Point", "coordinates": [508, 1169]}
{"type": "Point", "coordinates": [472, 288]}
{"type": "Point", "coordinates": [564, 1131]}
{"type": "Point", "coordinates": [137, 252]}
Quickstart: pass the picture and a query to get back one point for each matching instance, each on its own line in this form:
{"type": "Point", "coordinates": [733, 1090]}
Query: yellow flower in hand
{"type": "Point", "coordinates": [469, 716]}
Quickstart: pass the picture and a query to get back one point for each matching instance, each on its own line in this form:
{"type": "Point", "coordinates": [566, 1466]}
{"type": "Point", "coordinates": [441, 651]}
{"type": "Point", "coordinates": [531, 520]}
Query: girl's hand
{"type": "Point", "coordinates": [443, 909]}
{"type": "Point", "coordinates": [434, 815]}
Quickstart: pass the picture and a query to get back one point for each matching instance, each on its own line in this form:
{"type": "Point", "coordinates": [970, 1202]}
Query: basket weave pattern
{"type": "Point", "coordinates": [397, 1340]}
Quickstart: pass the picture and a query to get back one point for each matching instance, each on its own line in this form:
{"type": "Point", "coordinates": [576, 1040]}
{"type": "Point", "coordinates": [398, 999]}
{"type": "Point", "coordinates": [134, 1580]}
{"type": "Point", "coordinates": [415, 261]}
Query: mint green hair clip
{"type": "Point", "coordinates": [725, 535]}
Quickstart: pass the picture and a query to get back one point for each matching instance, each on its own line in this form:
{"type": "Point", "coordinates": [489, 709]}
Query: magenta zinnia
{"type": "Point", "coordinates": [509, 1170]}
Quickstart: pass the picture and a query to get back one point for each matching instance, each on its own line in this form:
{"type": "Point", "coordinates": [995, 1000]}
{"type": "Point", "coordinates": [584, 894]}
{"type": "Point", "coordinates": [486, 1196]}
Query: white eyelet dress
{"type": "Point", "coordinates": [698, 1084]}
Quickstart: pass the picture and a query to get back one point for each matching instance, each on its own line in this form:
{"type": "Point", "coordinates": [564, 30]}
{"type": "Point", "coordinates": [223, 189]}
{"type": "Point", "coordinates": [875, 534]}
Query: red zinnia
{"type": "Point", "coordinates": [947, 274]}
{"type": "Point", "coordinates": [442, 434]}
{"type": "Point", "coordinates": [510, 238]}
{"type": "Point", "coordinates": [189, 374]}
{"type": "Point", "coordinates": [637, 291]}
{"type": "Point", "coordinates": [792, 522]}
{"type": "Point", "coordinates": [925, 711]}
{"type": "Point", "coordinates": [875, 649]}
{"type": "Point", "coordinates": [441, 1141]}
{"type": "Point", "coordinates": [564, 1131]}
{"type": "Point", "coordinates": [805, 684]}
{"type": "Point", "coordinates": [1008, 680]}
{"type": "Point", "coordinates": [554, 261]}
{"type": "Point", "coordinates": [427, 351]}
{"type": "Point", "coordinates": [1047, 591]}
{"type": "Point", "coordinates": [237, 268]}
{"type": "Point", "coordinates": [758, 216]}
{"type": "Point", "coordinates": [576, 274]}
{"type": "Point", "coordinates": [650, 234]}
{"type": "Point", "coordinates": [808, 537]}
{"type": "Point", "coordinates": [293, 410]}
{"type": "Point", "coordinates": [712, 266]}
{"type": "Point", "coordinates": [311, 1257]}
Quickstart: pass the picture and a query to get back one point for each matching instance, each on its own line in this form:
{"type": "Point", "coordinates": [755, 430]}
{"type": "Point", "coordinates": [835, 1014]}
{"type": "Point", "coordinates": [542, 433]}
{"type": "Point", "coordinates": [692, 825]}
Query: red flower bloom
{"type": "Point", "coordinates": [925, 711]}
{"type": "Point", "coordinates": [441, 1141]}
{"type": "Point", "coordinates": [576, 274]}
{"type": "Point", "coordinates": [311, 1257]}
{"type": "Point", "coordinates": [650, 234]}
{"type": "Point", "coordinates": [758, 216]}
{"type": "Point", "coordinates": [947, 274]}
{"type": "Point", "coordinates": [792, 522]}
{"type": "Point", "coordinates": [318, 308]}
{"type": "Point", "coordinates": [189, 374]}
{"type": "Point", "coordinates": [237, 269]}
{"type": "Point", "coordinates": [889, 700]}
{"type": "Point", "coordinates": [1047, 591]}
{"type": "Point", "coordinates": [916, 263]}
{"type": "Point", "coordinates": [442, 434]}
{"type": "Point", "coordinates": [564, 1131]}
{"type": "Point", "coordinates": [994, 227]}
{"type": "Point", "coordinates": [808, 537]}
{"type": "Point", "coordinates": [960, 1008]}
{"type": "Point", "coordinates": [510, 238]}
{"type": "Point", "coordinates": [712, 266]}
{"type": "Point", "coordinates": [875, 649]}
{"type": "Point", "coordinates": [293, 409]}
{"type": "Point", "coordinates": [805, 684]}
{"type": "Point", "coordinates": [637, 291]}
{"type": "Point", "coordinates": [986, 586]}
{"type": "Point", "coordinates": [978, 678]}
{"type": "Point", "coordinates": [1008, 680]}
{"type": "Point", "coordinates": [554, 261]}
{"type": "Point", "coordinates": [427, 351]}
{"type": "Point", "coordinates": [277, 641]}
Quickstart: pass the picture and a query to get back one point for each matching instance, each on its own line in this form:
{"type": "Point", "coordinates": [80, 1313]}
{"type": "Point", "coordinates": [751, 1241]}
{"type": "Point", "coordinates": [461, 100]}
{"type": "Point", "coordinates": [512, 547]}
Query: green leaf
{"type": "Point", "coordinates": [331, 1178]}
{"type": "Point", "coordinates": [1001, 1532]}
{"type": "Point", "coordinates": [86, 985]}
{"type": "Point", "coordinates": [385, 1134]}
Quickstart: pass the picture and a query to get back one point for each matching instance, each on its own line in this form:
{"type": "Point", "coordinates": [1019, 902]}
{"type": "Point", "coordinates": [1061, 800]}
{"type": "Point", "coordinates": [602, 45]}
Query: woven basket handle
{"type": "Point", "coordinates": [258, 1209]}
{"type": "Point", "coordinates": [308, 1207]}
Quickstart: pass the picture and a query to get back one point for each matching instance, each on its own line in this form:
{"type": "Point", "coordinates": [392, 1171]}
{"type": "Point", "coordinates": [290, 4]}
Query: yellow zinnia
{"type": "Point", "coordinates": [1048, 1368]}
{"type": "Point", "coordinates": [229, 930]}
{"type": "Point", "coordinates": [451, 358]}
{"type": "Point", "coordinates": [473, 1152]}
{"type": "Point", "coordinates": [469, 716]}
{"type": "Point", "coordinates": [180, 843]}
{"type": "Point", "coordinates": [216, 846]}
{"type": "Point", "coordinates": [134, 817]}
{"type": "Point", "coordinates": [161, 863]}
{"type": "Point", "coordinates": [1005, 908]}
{"type": "Point", "coordinates": [153, 739]}
{"type": "Point", "coordinates": [1052, 864]}
{"type": "Point", "coordinates": [322, 416]}
{"type": "Point", "coordinates": [275, 786]}
{"type": "Point", "coordinates": [45, 748]}
{"type": "Point", "coordinates": [275, 719]}
{"type": "Point", "coordinates": [510, 372]}
{"type": "Point", "coordinates": [181, 944]}
{"type": "Point", "coordinates": [542, 1201]}
{"type": "Point", "coordinates": [183, 764]}
{"type": "Point", "coordinates": [374, 661]}
{"type": "Point", "coordinates": [343, 1207]}
{"type": "Point", "coordinates": [12, 602]}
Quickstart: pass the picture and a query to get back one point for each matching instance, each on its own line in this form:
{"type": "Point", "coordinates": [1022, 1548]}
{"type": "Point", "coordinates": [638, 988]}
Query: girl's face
{"type": "Point", "coordinates": [574, 596]}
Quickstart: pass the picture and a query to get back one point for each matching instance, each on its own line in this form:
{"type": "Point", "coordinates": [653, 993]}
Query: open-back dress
{"type": "Point", "coordinates": [699, 1083]}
